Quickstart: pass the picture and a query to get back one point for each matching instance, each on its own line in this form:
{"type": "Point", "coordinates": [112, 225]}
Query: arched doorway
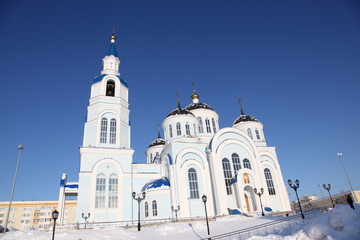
{"type": "Point", "coordinates": [250, 199]}
{"type": "Point", "coordinates": [247, 202]}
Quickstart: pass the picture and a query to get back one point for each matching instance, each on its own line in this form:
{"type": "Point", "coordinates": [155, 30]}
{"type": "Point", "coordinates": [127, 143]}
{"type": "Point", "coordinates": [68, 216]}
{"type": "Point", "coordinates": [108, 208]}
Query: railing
{"type": "Point", "coordinates": [124, 224]}
{"type": "Point", "coordinates": [258, 230]}
{"type": "Point", "coordinates": [266, 228]}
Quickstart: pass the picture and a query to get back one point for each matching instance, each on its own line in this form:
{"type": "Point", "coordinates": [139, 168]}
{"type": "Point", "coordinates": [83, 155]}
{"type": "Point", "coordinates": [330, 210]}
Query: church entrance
{"type": "Point", "coordinates": [247, 202]}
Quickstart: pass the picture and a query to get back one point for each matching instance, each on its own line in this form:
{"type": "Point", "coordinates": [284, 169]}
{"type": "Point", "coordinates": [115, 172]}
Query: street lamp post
{"type": "Point", "coordinates": [139, 199]}
{"type": "Point", "coordinates": [85, 217]}
{"type": "Point", "coordinates": [204, 199]}
{"type": "Point", "coordinates": [295, 187]}
{"type": "Point", "coordinates": [342, 164]}
{"type": "Point", "coordinates": [55, 215]}
{"type": "Point", "coordinates": [20, 147]}
{"type": "Point", "coordinates": [259, 194]}
{"type": "Point", "coordinates": [175, 210]}
{"type": "Point", "coordinates": [328, 187]}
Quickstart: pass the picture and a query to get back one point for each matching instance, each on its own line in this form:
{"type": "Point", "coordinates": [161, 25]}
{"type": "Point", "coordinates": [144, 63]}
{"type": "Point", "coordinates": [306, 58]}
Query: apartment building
{"type": "Point", "coordinates": [35, 214]}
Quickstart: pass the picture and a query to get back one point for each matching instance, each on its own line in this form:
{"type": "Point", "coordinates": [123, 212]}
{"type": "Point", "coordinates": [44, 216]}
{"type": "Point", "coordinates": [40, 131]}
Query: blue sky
{"type": "Point", "coordinates": [295, 65]}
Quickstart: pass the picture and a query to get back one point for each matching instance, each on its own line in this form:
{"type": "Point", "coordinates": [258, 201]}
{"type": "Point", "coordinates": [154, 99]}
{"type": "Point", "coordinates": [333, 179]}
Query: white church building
{"type": "Point", "coordinates": [194, 158]}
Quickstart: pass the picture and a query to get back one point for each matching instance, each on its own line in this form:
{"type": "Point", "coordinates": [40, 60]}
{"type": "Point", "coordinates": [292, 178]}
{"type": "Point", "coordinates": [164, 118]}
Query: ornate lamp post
{"type": "Point", "coordinates": [328, 187]}
{"type": "Point", "coordinates": [259, 194]}
{"type": "Point", "coordinates": [340, 158]}
{"type": "Point", "coordinates": [20, 147]}
{"type": "Point", "coordinates": [139, 199]}
{"type": "Point", "coordinates": [295, 187]}
{"type": "Point", "coordinates": [85, 217]}
{"type": "Point", "coordinates": [175, 210]}
{"type": "Point", "coordinates": [54, 215]}
{"type": "Point", "coordinates": [204, 199]}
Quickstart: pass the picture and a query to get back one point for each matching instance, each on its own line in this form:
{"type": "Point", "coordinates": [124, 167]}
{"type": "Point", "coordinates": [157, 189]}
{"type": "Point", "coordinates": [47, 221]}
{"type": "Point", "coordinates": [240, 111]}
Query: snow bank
{"type": "Point", "coordinates": [342, 223]}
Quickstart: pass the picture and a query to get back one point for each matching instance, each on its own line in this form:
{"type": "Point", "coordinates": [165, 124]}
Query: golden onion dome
{"type": "Point", "coordinates": [195, 96]}
{"type": "Point", "coordinates": [112, 37]}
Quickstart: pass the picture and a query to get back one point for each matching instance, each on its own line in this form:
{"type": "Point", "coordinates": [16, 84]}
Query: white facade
{"type": "Point", "coordinates": [194, 158]}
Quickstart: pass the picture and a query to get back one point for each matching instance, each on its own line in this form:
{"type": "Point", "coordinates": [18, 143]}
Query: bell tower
{"type": "Point", "coordinates": [106, 156]}
{"type": "Point", "coordinates": [107, 123]}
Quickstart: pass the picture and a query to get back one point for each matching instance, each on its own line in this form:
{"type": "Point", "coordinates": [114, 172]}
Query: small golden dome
{"type": "Point", "coordinates": [195, 96]}
{"type": "Point", "coordinates": [112, 37]}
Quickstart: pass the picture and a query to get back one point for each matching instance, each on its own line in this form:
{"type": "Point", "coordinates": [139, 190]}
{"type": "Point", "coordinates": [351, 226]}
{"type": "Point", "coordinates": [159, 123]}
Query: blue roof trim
{"type": "Point", "coordinates": [72, 186]}
{"type": "Point", "coordinates": [234, 179]}
{"type": "Point", "coordinates": [170, 159]}
{"type": "Point", "coordinates": [156, 183]}
{"type": "Point", "coordinates": [100, 77]}
{"type": "Point", "coordinates": [62, 182]}
{"type": "Point", "coordinates": [112, 50]}
{"type": "Point", "coordinates": [234, 211]}
{"type": "Point", "coordinates": [268, 209]}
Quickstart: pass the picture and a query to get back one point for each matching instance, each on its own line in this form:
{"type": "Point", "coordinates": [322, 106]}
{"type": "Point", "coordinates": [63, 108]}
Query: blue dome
{"type": "Point", "coordinates": [156, 183]}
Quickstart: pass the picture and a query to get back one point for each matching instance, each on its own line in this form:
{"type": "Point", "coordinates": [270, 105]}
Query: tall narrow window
{"type": "Point", "coordinates": [208, 128]}
{"type": "Point", "coordinates": [146, 209]}
{"type": "Point", "coordinates": [187, 128]}
{"type": "Point", "coordinates": [246, 163]}
{"type": "Point", "coordinates": [257, 134]}
{"type": "Point", "coordinates": [113, 191]}
{"type": "Point", "coordinates": [178, 129]}
{"type": "Point", "coordinates": [236, 162]}
{"type": "Point", "coordinates": [227, 175]}
{"type": "Point", "coordinates": [113, 131]}
{"type": "Point", "coordinates": [100, 191]}
{"type": "Point", "coordinates": [170, 131]}
{"type": "Point", "coordinates": [154, 208]}
{"type": "Point", "coordinates": [110, 88]}
{"type": "Point", "coordinates": [269, 182]}
{"type": "Point", "coordinates": [103, 130]}
{"type": "Point", "coordinates": [151, 157]}
{"type": "Point", "coordinates": [194, 130]}
{"type": "Point", "coordinates": [193, 184]}
{"type": "Point", "coordinates": [201, 129]}
{"type": "Point", "coordinates": [249, 133]}
{"type": "Point", "coordinates": [214, 125]}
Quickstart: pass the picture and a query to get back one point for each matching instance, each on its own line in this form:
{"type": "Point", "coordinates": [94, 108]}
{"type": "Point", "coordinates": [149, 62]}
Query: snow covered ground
{"type": "Point", "coordinates": [341, 223]}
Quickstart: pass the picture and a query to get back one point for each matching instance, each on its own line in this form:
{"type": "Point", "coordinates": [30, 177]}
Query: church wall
{"type": "Point", "coordinates": [90, 156]}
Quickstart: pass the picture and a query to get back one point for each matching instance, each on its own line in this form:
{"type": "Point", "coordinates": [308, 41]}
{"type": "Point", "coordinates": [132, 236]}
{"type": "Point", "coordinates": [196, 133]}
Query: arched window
{"type": "Point", "coordinates": [208, 128]}
{"type": "Point", "coordinates": [110, 88]}
{"type": "Point", "coordinates": [246, 163]}
{"type": "Point", "coordinates": [214, 125]}
{"type": "Point", "coordinates": [227, 175]}
{"type": "Point", "coordinates": [194, 130]}
{"type": "Point", "coordinates": [146, 209]}
{"type": "Point", "coordinates": [201, 129]}
{"type": "Point", "coordinates": [236, 162]}
{"type": "Point", "coordinates": [151, 157]}
{"type": "Point", "coordinates": [154, 208]}
{"type": "Point", "coordinates": [100, 191]}
{"type": "Point", "coordinates": [178, 129]}
{"type": "Point", "coordinates": [257, 134]}
{"type": "Point", "coordinates": [249, 133]}
{"type": "Point", "coordinates": [170, 131]}
{"type": "Point", "coordinates": [193, 184]}
{"type": "Point", "coordinates": [103, 130]}
{"type": "Point", "coordinates": [113, 191]}
{"type": "Point", "coordinates": [187, 128]}
{"type": "Point", "coordinates": [269, 182]}
{"type": "Point", "coordinates": [113, 131]}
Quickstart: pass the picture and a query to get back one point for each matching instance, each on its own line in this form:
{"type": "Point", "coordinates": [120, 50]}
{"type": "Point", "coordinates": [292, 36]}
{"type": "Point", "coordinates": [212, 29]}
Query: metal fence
{"type": "Point", "coordinates": [266, 228]}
